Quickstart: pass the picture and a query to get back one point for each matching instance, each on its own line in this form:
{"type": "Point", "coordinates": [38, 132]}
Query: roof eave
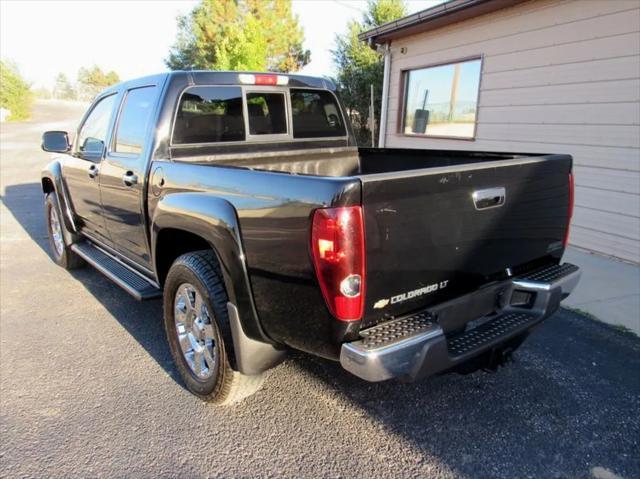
{"type": "Point", "coordinates": [441, 15]}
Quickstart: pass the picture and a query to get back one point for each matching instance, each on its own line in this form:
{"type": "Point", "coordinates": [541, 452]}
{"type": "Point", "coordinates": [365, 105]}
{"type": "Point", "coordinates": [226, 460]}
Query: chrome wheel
{"type": "Point", "coordinates": [194, 328]}
{"type": "Point", "coordinates": [56, 230]}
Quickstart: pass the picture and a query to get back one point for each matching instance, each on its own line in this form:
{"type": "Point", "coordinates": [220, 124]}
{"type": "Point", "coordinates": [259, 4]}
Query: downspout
{"type": "Point", "coordinates": [386, 51]}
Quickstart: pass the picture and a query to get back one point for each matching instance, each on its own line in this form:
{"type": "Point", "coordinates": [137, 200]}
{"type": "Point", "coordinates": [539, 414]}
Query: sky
{"type": "Point", "coordinates": [133, 38]}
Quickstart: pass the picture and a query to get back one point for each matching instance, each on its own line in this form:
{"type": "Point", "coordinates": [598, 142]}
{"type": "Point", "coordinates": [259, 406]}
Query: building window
{"type": "Point", "coordinates": [442, 101]}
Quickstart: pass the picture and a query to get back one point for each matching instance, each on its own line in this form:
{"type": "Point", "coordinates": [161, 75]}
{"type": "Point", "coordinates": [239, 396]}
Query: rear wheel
{"type": "Point", "coordinates": [60, 250]}
{"type": "Point", "coordinates": [196, 319]}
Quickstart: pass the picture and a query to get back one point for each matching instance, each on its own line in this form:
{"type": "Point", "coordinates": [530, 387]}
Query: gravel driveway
{"type": "Point", "coordinates": [88, 388]}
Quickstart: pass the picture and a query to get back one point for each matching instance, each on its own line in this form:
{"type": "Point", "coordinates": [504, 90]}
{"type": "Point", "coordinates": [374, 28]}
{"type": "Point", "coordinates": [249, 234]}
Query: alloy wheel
{"type": "Point", "coordinates": [56, 230]}
{"type": "Point", "coordinates": [194, 327]}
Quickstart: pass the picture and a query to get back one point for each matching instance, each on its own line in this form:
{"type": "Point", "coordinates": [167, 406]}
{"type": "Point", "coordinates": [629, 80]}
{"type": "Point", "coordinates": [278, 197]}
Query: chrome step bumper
{"type": "Point", "coordinates": [416, 346]}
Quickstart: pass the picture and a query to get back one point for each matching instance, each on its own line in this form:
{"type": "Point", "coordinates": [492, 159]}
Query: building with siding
{"type": "Point", "coordinates": [542, 76]}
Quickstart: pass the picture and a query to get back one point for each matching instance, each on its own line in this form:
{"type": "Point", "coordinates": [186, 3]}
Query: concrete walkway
{"type": "Point", "coordinates": [608, 289]}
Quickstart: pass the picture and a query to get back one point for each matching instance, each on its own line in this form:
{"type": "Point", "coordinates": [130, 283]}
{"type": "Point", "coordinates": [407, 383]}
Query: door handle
{"type": "Point", "coordinates": [489, 198]}
{"type": "Point", "coordinates": [93, 171]}
{"type": "Point", "coordinates": [129, 178]}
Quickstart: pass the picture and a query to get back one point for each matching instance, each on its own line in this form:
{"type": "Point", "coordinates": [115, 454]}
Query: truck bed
{"type": "Point", "coordinates": [350, 161]}
{"type": "Point", "coordinates": [427, 239]}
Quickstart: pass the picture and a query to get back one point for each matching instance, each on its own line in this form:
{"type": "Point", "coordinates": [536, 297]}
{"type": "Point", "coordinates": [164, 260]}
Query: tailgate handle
{"type": "Point", "coordinates": [489, 198]}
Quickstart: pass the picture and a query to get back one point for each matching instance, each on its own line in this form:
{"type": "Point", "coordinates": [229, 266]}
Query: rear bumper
{"type": "Point", "coordinates": [416, 346]}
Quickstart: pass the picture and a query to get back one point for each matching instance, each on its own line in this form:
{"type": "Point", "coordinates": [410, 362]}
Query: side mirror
{"type": "Point", "coordinates": [55, 141]}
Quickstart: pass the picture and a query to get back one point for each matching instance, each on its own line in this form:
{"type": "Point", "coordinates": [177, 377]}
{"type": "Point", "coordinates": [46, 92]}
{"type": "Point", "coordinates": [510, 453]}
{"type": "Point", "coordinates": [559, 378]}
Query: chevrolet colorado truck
{"type": "Point", "coordinates": [242, 200]}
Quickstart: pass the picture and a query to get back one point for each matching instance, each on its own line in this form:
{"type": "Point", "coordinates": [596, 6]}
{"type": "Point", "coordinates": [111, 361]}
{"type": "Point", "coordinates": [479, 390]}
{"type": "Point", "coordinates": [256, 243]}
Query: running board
{"type": "Point", "coordinates": [122, 275]}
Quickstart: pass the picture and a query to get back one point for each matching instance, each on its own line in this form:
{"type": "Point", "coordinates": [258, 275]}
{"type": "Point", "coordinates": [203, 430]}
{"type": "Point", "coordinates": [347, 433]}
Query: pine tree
{"type": "Point", "coordinates": [239, 35]}
{"type": "Point", "coordinates": [359, 66]}
{"type": "Point", "coordinates": [62, 89]}
{"type": "Point", "coordinates": [92, 81]}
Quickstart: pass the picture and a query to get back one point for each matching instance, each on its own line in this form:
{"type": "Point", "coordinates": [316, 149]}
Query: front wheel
{"type": "Point", "coordinates": [195, 314]}
{"type": "Point", "coordinates": [60, 250]}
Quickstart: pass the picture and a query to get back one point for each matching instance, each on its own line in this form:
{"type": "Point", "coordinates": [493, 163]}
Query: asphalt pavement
{"type": "Point", "coordinates": [88, 388]}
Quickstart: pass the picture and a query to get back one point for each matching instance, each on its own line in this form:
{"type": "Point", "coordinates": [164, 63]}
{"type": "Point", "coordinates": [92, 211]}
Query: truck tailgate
{"type": "Point", "coordinates": [437, 233]}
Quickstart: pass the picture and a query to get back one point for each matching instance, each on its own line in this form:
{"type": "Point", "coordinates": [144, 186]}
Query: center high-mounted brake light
{"type": "Point", "coordinates": [263, 79]}
{"type": "Point", "coordinates": [570, 212]}
{"type": "Point", "coordinates": [337, 245]}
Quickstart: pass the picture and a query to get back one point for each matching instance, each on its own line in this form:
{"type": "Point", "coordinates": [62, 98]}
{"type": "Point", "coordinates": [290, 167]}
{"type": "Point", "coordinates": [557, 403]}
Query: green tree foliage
{"type": "Point", "coordinates": [15, 93]}
{"type": "Point", "coordinates": [92, 81]}
{"type": "Point", "coordinates": [42, 93]}
{"type": "Point", "coordinates": [359, 66]}
{"type": "Point", "coordinates": [63, 89]}
{"type": "Point", "coordinates": [239, 35]}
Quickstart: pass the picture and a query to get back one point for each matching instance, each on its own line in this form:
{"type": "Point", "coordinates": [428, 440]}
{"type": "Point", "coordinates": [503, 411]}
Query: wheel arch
{"type": "Point", "coordinates": [171, 243]}
{"type": "Point", "coordinates": [47, 185]}
{"type": "Point", "coordinates": [51, 182]}
{"type": "Point", "coordinates": [188, 221]}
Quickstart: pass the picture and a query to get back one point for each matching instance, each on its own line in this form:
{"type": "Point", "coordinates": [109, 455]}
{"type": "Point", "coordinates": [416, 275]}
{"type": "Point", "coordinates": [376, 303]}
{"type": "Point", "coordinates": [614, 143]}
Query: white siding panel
{"type": "Point", "coordinates": [579, 113]}
{"type": "Point", "coordinates": [594, 135]}
{"type": "Point", "coordinates": [588, 92]}
{"type": "Point", "coordinates": [620, 225]}
{"type": "Point", "coordinates": [605, 178]}
{"type": "Point", "coordinates": [625, 248]}
{"type": "Point", "coordinates": [611, 201]}
{"type": "Point", "coordinates": [588, 71]}
{"type": "Point", "coordinates": [599, 48]}
{"type": "Point", "coordinates": [595, 49]}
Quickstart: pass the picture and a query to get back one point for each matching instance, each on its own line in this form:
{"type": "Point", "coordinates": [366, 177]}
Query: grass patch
{"type": "Point", "coordinates": [618, 327]}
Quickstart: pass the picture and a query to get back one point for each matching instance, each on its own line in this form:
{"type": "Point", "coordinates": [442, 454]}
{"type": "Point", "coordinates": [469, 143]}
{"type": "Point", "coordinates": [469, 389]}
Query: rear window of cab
{"type": "Point", "coordinates": [216, 114]}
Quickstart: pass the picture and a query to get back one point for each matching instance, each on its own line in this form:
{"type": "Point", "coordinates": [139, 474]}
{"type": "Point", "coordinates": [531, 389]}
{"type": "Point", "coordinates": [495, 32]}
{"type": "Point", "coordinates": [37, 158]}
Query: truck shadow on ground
{"type": "Point", "coordinates": [568, 404]}
{"type": "Point", "coordinates": [143, 320]}
{"type": "Point", "coordinates": [556, 411]}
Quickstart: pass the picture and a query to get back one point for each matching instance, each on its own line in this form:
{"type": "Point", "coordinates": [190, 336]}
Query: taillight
{"type": "Point", "coordinates": [337, 245]}
{"type": "Point", "coordinates": [266, 80]}
{"type": "Point", "coordinates": [570, 212]}
{"type": "Point", "coordinates": [262, 79]}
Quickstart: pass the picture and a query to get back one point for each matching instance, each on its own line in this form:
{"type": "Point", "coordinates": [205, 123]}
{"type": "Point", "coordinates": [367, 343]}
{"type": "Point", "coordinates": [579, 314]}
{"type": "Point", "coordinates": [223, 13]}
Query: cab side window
{"type": "Point", "coordinates": [93, 134]}
{"type": "Point", "coordinates": [134, 120]}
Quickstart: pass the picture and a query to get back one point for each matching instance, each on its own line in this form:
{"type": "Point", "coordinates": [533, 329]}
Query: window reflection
{"type": "Point", "coordinates": [209, 115]}
{"type": "Point", "coordinates": [442, 100]}
{"type": "Point", "coordinates": [134, 120]}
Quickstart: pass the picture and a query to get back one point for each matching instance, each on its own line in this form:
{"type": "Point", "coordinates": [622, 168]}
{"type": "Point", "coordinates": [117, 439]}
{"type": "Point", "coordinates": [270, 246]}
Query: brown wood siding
{"type": "Point", "coordinates": [558, 77]}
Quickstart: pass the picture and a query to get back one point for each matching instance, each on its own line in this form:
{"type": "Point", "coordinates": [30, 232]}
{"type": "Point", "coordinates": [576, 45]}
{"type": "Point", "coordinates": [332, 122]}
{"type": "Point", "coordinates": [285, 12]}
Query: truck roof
{"type": "Point", "coordinates": [211, 77]}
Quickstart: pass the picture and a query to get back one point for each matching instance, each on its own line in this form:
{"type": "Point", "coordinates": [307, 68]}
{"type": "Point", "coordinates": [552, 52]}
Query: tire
{"type": "Point", "coordinates": [200, 352]}
{"type": "Point", "coordinates": [61, 252]}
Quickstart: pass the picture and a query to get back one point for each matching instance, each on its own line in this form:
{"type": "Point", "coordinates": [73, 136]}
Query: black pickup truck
{"type": "Point", "coordinates": [242, 200]}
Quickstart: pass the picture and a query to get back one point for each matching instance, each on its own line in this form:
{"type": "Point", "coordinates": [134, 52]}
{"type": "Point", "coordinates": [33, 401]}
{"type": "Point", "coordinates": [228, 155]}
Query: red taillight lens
{"type": "Point", "coordinates": [337, 245]}
{"type": "Point", "coordinates": [266, 80]}
{"type": "Point", "coordinates": [570, 212]}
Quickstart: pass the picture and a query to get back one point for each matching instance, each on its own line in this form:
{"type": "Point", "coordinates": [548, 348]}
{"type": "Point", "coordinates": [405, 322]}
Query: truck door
{"type": "Point", "coordinates": [123, 174]}
{"type": "Point", "coordinates": [82, 168]}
